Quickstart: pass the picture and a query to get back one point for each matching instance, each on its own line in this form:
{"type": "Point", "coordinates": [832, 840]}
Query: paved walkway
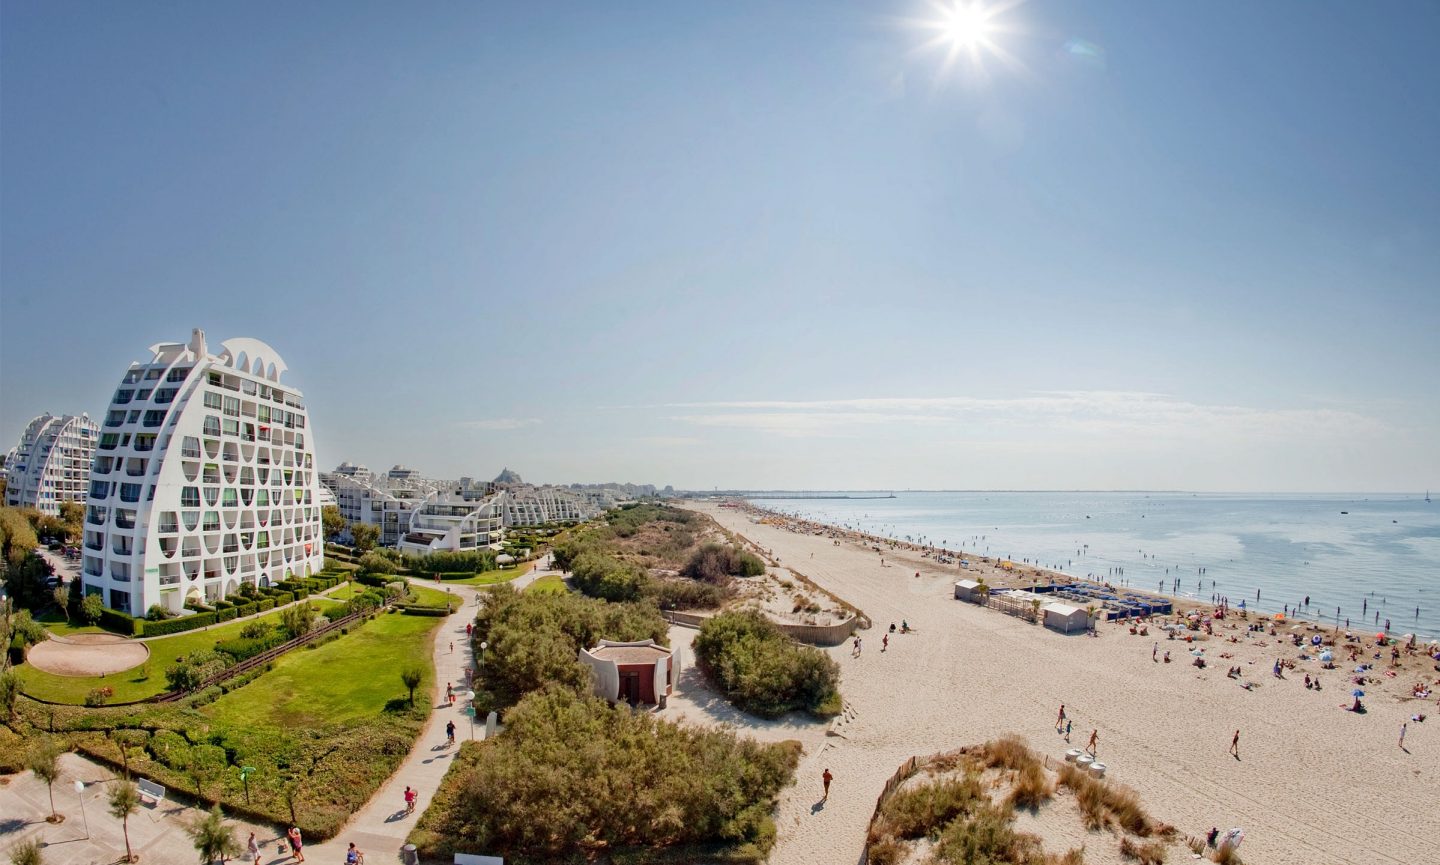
{"type": "Point", "coordinates": [89, 835]}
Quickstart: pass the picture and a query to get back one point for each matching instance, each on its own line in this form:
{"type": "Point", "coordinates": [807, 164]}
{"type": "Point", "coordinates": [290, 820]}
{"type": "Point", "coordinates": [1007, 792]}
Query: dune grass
{"type": "Point", "coordinates": [354, 677]}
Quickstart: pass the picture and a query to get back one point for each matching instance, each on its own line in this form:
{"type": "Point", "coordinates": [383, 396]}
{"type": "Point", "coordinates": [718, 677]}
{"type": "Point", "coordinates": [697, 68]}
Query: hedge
{"type": "Point", "coordinates": [418, 610]}
{"type": "Point", "coordinates": [244, 610]}
{"type": "Point", "coordinates": [376, 580]}
{"type": "Point", "coordinates": [121, 623]}
{"type": "Point", "coordinates": [284, 598]}
{"type": "Point", "coordinates": [240, 649]}
{"type": "Point", "coordinates": [223, 604]}
{"type": "Point", "coordinates": [180, 625]}
{"type": "Point", "coordinates": [225, 614]}
{"type": "Point", "coordinates": [266, 604]}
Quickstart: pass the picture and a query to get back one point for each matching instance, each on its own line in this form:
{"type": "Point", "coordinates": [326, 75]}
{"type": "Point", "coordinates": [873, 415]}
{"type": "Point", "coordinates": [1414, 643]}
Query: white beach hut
{"type": "Point", "coordinates": [967, 590]}
{"type": "Point", "coordinates": [1065, 618]}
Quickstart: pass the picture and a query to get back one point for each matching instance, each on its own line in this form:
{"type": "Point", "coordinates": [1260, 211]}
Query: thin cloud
{"type": "Point", "coordinates": [500, 423]}
{"type": "Point", "coordinates": [1092, 413]}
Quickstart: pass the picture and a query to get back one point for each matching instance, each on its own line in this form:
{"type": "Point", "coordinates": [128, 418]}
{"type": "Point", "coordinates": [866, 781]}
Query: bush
{"type": "Point", "coordinates": [714, 563]}
{"type": "Point", "coordinates": [915, 812]}
{"type": "Point", "coordinates": [418, 610]}
{"type": "Point", "coordinates": [178, 625]}
{"type": "Point", "coordinates": [761, 670]}
{"type": "Point", "coordinates": [601, 576]}
{"type": "Point", "coordinates": [265, 604]}
{"type": "Point", "coordinates": [158, 613]}
{"type": "Point", "coordinates": [98, 697]}
{"type": "Point", "coordinates": [243, 648]}
{"type": "Point", "coordinates": [685, 595]}
{"type": "Point", "coordinates": [564, 781]}
{"type": "Point", "coordinates": [225, 615]}
{"type": "Point", "coordinates": [254, 630]}
{"type": "Point", "coordinates": [223, 604]}
{"type": "Point", "coordinates": [112, 620]}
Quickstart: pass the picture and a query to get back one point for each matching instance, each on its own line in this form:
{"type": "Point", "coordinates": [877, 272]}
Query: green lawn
{"type": "Point", "coordinates": [133, 684]}
{"type": "Point", "coordinates": [54, 622]}
{"type": "Point", "coordinates": [346, 679]}
{"type": "Point", "coordinates": [426, 596]}
{"type": "Point", "coordinates": [552, 584]}
{"type": "Point", "coordinates": [490, 578]}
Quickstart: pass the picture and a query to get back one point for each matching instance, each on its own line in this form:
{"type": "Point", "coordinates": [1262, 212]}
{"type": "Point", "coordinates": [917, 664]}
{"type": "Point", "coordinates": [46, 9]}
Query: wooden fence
{"type": "Point", "coordinates": [907, 769]}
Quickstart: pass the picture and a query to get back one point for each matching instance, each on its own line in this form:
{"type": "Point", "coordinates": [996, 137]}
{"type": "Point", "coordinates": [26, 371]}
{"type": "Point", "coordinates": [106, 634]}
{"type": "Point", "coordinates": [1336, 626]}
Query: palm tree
{"type": "Point", "coordinates": [213, 839]}
{"type": "Point", "coordinates": [27, 853]}
{"type": "Point", "coordinates": [410, 677]}
{"type": "Point", "coordinates": [124, 800]}
{"type": "Point", "coordinates": [983, 591]}
{"type": "Point", "coordinates": [1035, 610]}
{"type": "Point", "coordinates": [44, 761]}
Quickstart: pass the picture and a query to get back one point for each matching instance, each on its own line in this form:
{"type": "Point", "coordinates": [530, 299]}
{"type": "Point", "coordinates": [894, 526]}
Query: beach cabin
{"type": "Point", "coordinates": [1065, 618]}
{"type": "Point", "coordinates": [637, 673]}
{"type": "Point", "coordinates": [968, 590]}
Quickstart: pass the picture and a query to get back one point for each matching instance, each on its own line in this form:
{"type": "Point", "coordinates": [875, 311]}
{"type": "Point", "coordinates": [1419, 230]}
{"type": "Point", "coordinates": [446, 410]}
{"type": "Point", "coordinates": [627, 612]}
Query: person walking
{"type": "Point", "coordinates": [1060, 721]}
{"type": "Point", "coordinates": [1093, 746]}
{"type": "Point", "coordinates": [1154, 651]}
{"type": "Point", "coordinates": [884, 642]}
{"type": "Point", "coordinates": [1067, 731]}
{"type": "Point", "coordinates": [825, 779]}
{"type": "Point", "coordinates": [450, 732]}
{"type": "Point", "coordinates": [253, 848]}
{"type": "Point", "coordinates": [297, 844]}
{"type": "Point", "coordinates": [1235, 745]}
{"type": "Point", "coordinates": [1402, 734]}
{"type": "Point", "coordinates": [410, 796]}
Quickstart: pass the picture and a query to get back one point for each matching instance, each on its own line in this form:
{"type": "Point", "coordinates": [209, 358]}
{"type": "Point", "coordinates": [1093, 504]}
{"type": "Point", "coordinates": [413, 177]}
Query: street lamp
{"type": "Point", "coordinates": [470, 710]}
{"type": "Point", "coordinates": [80, 791]}
{"type": "Point", "coordinates": [483, 646]}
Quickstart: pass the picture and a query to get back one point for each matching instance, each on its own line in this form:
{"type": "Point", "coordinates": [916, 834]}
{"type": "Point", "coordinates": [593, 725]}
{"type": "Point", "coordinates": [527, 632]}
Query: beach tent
{"type": "Point", "coordinates": [967, 590]}
{"type": "Point", "coordinates": [1065, 618]}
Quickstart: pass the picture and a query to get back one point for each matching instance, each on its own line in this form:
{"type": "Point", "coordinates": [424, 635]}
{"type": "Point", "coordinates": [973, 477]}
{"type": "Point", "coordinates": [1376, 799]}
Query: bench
{"type": "Point", "coordinates": [472, 859]}
{"type": "Point", "coordinates": [152, 790]}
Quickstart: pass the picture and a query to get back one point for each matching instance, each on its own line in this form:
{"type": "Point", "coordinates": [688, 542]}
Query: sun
{"type": "Point", "coordinates": [966, 30]}
{"type": "Point", "coordinates": [966, 24]}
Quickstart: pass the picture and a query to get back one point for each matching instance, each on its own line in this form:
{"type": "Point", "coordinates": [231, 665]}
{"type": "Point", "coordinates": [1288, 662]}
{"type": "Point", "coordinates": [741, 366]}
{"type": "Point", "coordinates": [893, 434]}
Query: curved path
{"type": "Point", "coordinates": [380, 828]}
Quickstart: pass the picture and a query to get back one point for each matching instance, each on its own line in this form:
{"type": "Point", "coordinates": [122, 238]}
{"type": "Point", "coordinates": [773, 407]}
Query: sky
{"type": "Point", "coordinates": [750, 245]}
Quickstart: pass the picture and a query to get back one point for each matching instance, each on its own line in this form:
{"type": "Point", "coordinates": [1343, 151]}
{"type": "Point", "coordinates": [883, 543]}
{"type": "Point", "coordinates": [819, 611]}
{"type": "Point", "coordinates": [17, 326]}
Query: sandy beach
{"type": "Point", "coordinates": [1313, 782]}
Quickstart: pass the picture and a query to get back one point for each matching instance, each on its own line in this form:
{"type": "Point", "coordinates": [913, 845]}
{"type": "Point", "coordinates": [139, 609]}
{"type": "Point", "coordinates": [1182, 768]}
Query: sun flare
{"type": "Point", "coordinates": [965, 31]}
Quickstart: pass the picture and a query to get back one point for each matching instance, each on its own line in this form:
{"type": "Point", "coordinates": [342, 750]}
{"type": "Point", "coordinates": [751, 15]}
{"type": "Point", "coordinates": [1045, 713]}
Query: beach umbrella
{"type": "Point", "coordinates": [1357, 693]}
{"type": "Point", "coordinates": [1360, 669]}
{"type": "Point", "coordinates": [1279, 617]}
{"type": "Point", "coordinates": [1327, 656]}
{"type": "Point", "coordinates": [1197, 651]}
{"type": "Point", "coordinates": [1380, 636]}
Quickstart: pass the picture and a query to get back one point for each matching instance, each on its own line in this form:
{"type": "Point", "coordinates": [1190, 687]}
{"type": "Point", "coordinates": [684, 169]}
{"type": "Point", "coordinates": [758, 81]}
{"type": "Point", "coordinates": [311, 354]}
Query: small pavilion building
{"type": "Point", "coordinates": [637, 673]}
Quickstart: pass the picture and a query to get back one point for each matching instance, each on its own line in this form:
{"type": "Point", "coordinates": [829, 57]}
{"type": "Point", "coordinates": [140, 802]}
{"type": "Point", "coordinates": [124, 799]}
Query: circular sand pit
{"type": "Point", "coordinates": [88, 655]}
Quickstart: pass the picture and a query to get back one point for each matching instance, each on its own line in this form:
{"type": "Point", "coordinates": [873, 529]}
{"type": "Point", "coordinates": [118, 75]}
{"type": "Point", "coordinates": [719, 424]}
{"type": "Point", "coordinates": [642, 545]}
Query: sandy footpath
{"type": "Point", "coordinates": [1313, 783]}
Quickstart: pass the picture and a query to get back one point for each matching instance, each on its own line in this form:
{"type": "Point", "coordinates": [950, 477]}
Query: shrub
{"type": "Point", "coordinates": [601, 576]}
{"type": "Point", "coordinates": [1101, 801]}
{"type": "Point", "coordinates": [761, 670]}
{"type": "Point", "coordinates": [110, 620]}
{"type": "Point", "coordinates": [685, 595]}
{"type": "Point", "coordinates": [915, 812]}
{"type": "Point", "coordinates": [223, 604]}
{"type": "Point", "coordinates": [714, 563]}
{"type": "Point", "coordinates": [244, 648]}
{"type": "Point", "coordinates": [563, 781]}
{"type": "Point", "coordinates": [254, 630]}
{"type": "Point", "coordinates": [225, 614]}
{"type": "Point", "coordinates": [987, 836]}
{"type": "Point", "coordinates": [98, 697]}
{"type": "Point", "coordinates": [1148, 852]}
{"type": "Point", "coordinates": [417, 610]}
{"type": "Point", "coordinates": [158, 613]}
{"type": "Point", "coordinates": [178, 625]}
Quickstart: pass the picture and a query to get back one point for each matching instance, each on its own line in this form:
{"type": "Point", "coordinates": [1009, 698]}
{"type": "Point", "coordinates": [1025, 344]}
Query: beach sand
{"type": "Point", "coordinates": [1313, 783]}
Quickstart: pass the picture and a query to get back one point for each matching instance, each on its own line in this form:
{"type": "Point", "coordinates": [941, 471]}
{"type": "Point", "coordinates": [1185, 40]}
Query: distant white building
{"type": "Point", "coordinates": [458, 521]}
{"type": "Point", "coordinates": [52, 463]}
{"type": "Point", "coordinates": [385, 501]}
{"type": "Point", "coordinates": [203, 479]}
{"type": "Point", "coordinates": [526, 505]}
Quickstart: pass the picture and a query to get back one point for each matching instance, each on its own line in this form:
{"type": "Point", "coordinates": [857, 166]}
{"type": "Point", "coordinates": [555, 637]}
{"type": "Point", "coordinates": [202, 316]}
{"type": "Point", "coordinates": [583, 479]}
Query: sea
{"type": "Point", "coordinates": [1362, 560]}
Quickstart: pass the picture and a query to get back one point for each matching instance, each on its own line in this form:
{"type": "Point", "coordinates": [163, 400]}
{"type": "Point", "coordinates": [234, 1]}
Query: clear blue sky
{"type": "Point", "coordinates": [1162, 245]}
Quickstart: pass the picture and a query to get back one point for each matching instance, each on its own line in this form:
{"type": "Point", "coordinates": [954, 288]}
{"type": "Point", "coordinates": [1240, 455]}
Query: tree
{"type": "Point", "coordinates": [62, 600]}
{"type": "Point", "coordinates": [365, 536]}
{"type": "Point", "coordinates": [332, 522]}
{"type": "Point", "coordinates": [206, 763]}
{"type": "Point", "coordinates": [298, 619]}
{"type": "Point", "coordinates": [124, 800]}
{"type": "Point", "coordinates": [9, 692]}
{"type": "Point", "coordinates": [27, 852]}
{"type": "Point", "coordinates": [411, 676]}
{"type": "Point", "coordinates": [90, 609]}
{"type": "Point", "coordinates": [44, 761]}
{"type": "Point", "coordinates": [126, 740]}
{"type": "Point", "coordinates": [213, 838]}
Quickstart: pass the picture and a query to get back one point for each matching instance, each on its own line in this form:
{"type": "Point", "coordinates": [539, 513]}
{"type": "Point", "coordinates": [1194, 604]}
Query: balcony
{"type": "Point", "coordinates": [190, 453]}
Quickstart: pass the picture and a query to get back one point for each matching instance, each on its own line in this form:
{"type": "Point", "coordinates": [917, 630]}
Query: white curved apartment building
{"type": "Point", "coordinates": [52, 463]}
{"type": "Point", "coordinates": [203, 479]}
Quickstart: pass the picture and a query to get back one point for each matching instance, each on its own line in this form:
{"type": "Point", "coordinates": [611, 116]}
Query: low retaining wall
{"type": "Point", "coordinates": [815, 635]}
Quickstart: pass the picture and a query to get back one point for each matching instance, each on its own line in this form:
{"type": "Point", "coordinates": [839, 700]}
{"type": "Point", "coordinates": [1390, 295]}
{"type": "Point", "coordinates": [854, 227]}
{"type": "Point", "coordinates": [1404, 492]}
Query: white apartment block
{"type": "Point", "coordinates": [385, 501]}
{"type": "Point", "coordinates": [203, 479]}
{"type": "Point", "coordinates": [456, 522]}
{"type": "Point", "coordinates": [527, 505]}
{"type": "Point", "coordinates": [52, 463]}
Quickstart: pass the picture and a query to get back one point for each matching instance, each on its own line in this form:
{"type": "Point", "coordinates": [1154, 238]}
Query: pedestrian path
{"type": "Point", "coordinates": [380, 828]}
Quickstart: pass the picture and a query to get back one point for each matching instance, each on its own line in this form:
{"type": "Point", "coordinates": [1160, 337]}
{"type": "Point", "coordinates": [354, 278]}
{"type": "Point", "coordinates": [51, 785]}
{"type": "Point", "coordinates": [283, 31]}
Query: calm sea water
{"type": "Point", "coordinates": [1381, 560]}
